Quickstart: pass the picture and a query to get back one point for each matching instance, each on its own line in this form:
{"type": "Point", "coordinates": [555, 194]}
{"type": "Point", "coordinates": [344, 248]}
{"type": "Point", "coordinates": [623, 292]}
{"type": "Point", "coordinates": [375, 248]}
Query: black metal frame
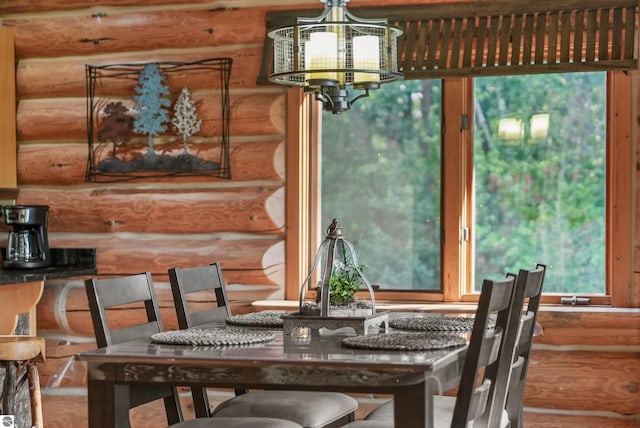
{"type": "Point", "coordinates": [101, 87]}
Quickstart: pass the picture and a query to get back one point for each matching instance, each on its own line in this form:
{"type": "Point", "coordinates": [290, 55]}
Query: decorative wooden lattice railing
{"type": "Point", "coordinates": [504, 37]}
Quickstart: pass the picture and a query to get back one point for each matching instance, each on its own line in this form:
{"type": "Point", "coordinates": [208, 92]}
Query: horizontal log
{"type": "Point", "coordinates": [584, 380]}
{"type": "Point", "coordinates": [103, 30]}
{"type": "Point", "coordinates": [25, 6]}
{"type": "Point", "coordinates": [258, 261]}
{"type": "Point", "coordinates": [555, 420]}
{"type": "Point", "coordinates": [251, 114]}
{"type": "Point", "coordinates": [65, 164]}
{"type": "Point", "coordinates": [625, 335]}
{"type": "Point", "coordinates": [257, 209]}
{"type": "Point", "coordinates": [35, 80]}
{"type": "Point", "coordinates": [595, 327]}
{"type": "Point", "coordinates": [589, 317]}
{"type": "Point", "coordinates": [200, 78]}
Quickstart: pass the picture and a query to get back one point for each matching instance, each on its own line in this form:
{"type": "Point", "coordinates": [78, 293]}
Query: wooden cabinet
{"type": "Point", "coordinates": [8, 149]}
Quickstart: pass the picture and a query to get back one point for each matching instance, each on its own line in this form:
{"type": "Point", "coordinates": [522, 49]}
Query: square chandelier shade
{"type": "Point", "coordinates": [353, 54]}
{"type": "Point", "coordinates": [334, 54]}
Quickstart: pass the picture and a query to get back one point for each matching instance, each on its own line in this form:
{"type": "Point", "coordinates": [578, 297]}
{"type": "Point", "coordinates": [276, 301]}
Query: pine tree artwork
{"type": "Point", "coordinates": [151, 104]}
{"type": "Point", "coordinates": [185, 117]}
{"type": "Point", "coordinates": [144, 121]}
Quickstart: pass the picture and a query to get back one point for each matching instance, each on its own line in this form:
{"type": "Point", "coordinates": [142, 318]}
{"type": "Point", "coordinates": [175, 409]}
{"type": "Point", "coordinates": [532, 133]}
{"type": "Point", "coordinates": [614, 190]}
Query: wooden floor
{"type": "Point", "coordinates": [64, 411]}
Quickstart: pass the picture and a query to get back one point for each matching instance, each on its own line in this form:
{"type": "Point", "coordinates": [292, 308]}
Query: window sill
{"type": "Point", "coordinates": [292, 305]}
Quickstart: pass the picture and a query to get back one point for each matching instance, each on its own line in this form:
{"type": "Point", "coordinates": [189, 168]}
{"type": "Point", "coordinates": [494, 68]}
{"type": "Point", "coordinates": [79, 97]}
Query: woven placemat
{"type": "Point", "coordinates": [212, 337]}
{"type": "Point", "coordinates": [405, 341]}
{"type": "Point", "coordinates": [258, 319]}
{"type": "Point", "coordinates": [433, 323]}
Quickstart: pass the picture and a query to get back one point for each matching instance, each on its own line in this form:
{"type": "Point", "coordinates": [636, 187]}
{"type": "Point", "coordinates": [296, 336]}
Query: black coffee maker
{"type": "Point", "coordinates": [28, 243]}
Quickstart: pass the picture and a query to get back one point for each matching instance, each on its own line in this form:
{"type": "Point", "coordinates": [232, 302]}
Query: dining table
{"type": "Point", "coordinates": [295, 361]}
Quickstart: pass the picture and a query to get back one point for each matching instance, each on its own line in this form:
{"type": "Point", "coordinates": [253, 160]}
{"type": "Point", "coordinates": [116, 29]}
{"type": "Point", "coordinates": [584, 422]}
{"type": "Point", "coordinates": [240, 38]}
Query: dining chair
{"type": "Point", "coordinates": [530, 282]}
{"type": "Point", "coordinates": [106, 299]}
{"type": "Point", "coordinates": [474, 399]}
{"type": "Point", "coordinates": [311, 409]}
{"type": "Point", "coordinates": [524, 309]}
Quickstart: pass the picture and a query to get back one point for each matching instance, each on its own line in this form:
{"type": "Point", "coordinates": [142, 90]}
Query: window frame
{"type": "Point", "coordinates": [303, 169]}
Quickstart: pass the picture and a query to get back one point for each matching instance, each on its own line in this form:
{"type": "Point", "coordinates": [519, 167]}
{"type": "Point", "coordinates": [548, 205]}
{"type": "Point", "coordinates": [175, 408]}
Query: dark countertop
{"type": "Point", "coordinates": [66, 262]}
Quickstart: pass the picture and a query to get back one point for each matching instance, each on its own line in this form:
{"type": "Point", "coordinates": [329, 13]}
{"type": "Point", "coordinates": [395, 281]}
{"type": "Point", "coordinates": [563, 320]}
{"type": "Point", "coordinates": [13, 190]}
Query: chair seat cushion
{"type": "Point", "coordinates": [443, 406]}
{"type": "Point", "coordinates": [219, 422]}
{"type": "Point", "coordinates": [308, 408]}
{"type": "Point", "coordinates": [369, 424]}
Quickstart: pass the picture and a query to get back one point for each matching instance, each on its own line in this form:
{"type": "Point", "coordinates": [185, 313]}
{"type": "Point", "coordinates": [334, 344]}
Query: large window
{"type": "Point", "coordinates": [381, 178]}
{"type": "Point", "coordinates": [536, 165]}
{"type": "Point", "coordinates": [540, 169]}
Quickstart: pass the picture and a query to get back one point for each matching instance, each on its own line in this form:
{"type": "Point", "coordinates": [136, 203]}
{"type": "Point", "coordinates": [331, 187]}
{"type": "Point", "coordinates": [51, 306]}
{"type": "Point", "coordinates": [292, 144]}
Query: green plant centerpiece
{"type": "Point", "coordinates": [344, 282]}
{"type": "Point", "coordinates": [328, 299]}
{"type": "Point", "coordinates": [340, 278]}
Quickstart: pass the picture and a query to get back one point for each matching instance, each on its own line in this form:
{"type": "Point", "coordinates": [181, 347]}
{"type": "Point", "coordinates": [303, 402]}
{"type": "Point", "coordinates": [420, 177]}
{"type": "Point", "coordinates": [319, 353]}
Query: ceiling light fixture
{"type": "Point", "coordinates": [334, 53]}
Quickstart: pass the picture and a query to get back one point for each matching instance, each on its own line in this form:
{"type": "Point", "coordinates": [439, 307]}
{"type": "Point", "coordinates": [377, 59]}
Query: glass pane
{"type": "Point", "coordinates": [540, 145]}
{"type": "Point", "coordinates": [381, 179]}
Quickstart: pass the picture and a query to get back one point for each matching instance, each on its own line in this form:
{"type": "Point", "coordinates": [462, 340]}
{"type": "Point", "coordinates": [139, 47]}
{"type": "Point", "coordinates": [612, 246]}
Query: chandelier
{"type": "Point", "coordinates": [334, 54]}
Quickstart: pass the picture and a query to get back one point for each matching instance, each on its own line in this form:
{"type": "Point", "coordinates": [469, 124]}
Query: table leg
{"type": "Point", "coordinates": [108, 404]}
{"type": "Point", "coordinates": [413, 405]}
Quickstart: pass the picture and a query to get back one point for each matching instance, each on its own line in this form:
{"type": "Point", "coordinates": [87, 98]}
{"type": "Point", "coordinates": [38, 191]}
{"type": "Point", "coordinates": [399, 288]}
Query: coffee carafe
{"type": "Point", "coordinates": [28, 243]}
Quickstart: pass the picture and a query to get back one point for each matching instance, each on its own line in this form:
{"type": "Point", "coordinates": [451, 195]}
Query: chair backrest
{"type": "Point", "coordinates": [117, 293]}
{"type": "Point", "coordinates": [195, 280]}
{"type": "Point", "coordinates": [530, 283]}
{"type": "Point", "coordinates": [486, 346]}
{"type": "Point", "coordinates": [104, 294]}
{"type": "Point", "coordinates": [189, 281]}
{"type": "Point", "coordinates": [509, 366]}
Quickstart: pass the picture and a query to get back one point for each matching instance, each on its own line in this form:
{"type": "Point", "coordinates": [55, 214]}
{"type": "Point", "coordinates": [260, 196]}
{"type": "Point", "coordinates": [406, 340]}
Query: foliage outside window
{"type": "Point", "coordinates": [538, 198]}
{"type": "Point", "coordinates": [381, 179]}
{"type": "Point", "coordinates": [540, 193]}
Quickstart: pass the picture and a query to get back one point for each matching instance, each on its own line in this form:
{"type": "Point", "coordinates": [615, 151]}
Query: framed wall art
{"type": "Point", "coordinates": [160, 119]}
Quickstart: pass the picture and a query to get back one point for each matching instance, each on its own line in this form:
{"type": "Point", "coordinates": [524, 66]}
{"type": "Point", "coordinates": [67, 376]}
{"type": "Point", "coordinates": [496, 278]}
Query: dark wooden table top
{"type": "Point", "coordinates": [322, 362]}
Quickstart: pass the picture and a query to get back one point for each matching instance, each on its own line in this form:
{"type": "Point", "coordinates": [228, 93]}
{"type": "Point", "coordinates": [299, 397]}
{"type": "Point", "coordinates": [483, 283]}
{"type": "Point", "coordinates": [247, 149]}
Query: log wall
{"type": "Point", "coordinates": [585, 369]}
